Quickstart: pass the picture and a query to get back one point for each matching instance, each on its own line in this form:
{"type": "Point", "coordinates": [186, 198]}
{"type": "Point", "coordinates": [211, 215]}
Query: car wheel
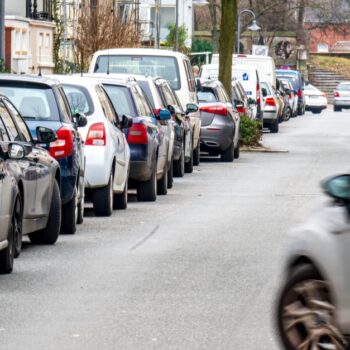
{"type": "Point", "coordinates": [7, 255]}
{"type": "Point", "coordinates": [336, 109]}
{"type": "Point", "coordinates": [306, 314]}
{"type": "Point", "coordinates": [316, 111]}
{"type": "Point", "coordinates": [17, 220]}
{"type": "Point", "coordinates": [287, 114]}
{"type": "Point", "coordinates": [121, 199]}
{"type": "Point", "coordinates": [102, 199]}
{"type": "Point", "coordinates": [69, 215]}
{"type": "Point", "coordinates": [50, 233]}
{"type": "Point", "coordinates": [301, 110]}
{"type": "Point", "coordinates": [274, 127]}
{"type": "Point", "coordinates": [171, 175]}
{"type": "Point", "coordinates": [147, 190]}
{"type": "Point", "coordinates": [162, 184]}
{"type": "Point", "coordinates": [80, 211]}
{"type": "Point", "coordinates": [228, 155]}
{"type": "Point", "coordinates": [189, 163]}
{"type": "Point", "coordinates": [196, 155]}
{"type": "Point", "coordinates": [237, 150]}
{"type": "Point", "coordinates": [179, 165]}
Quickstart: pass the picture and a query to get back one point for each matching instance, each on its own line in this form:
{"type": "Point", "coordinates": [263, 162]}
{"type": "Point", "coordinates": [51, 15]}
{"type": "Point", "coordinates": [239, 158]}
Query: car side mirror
{"type": "Point", "coordinates": [264, 92]}
{"type": "Point", "coordinates": [338, 187]}
{"type": "Point", "coordinates": [81, 119]}
{"type": "Point", "coordinates": [126, 121]}
{"type": "Point", "coordinates": [171, 109]}
{"type": "Point", "coordinates": [239, 104]}
{"type": "Point", "coordinates": [164, 114]}
{"type": "Point", "coordinates": [16, 151]}
{"type": "Point", "coordinates": [45, 135]}
{"type": "Point", "coordinates": [251, 101]}
{"type": "Point", "coordinates": [191, 108]}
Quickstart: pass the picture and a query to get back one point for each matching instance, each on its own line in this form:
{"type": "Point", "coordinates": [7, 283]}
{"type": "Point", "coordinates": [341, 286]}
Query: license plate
{"type": "Point", "coordinates": [313, 97]}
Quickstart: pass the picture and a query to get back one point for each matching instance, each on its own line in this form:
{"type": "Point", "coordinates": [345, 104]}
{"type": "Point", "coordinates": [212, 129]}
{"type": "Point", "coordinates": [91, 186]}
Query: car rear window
{"type": "Point", "coordinates": [206, 95]}
{"type": "Point", "coordinates": [121, 99]}
{"type": "Point", "coordinates": [266, 87]}
{"type": "Point", "coordinates": [79, 99]}
{"type": "Point", "coordinates": [164, 66]}
{"type": "Point", "coordinates": [343, 87]}
{"type": "Point", "coordinates": [33, 101]}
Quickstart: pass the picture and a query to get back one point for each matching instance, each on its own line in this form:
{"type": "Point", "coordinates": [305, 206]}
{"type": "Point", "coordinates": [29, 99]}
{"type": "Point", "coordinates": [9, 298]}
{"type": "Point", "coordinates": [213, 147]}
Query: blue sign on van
{"type": "Point", "coordinates": [245, 76]}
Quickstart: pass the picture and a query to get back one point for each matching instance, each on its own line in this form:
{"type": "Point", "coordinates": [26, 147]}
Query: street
{"type": "Point", "coordinates": [198, 269]}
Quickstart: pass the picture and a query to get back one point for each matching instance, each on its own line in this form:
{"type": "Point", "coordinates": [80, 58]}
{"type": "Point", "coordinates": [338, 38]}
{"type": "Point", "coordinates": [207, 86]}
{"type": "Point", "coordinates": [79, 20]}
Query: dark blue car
{"type": "Point", "coordinates": [42, 102]}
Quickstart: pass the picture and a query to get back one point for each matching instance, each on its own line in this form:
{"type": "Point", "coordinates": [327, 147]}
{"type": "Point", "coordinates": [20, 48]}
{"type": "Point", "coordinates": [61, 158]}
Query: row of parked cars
{"type": "Point", "coordinates": [136, 120]}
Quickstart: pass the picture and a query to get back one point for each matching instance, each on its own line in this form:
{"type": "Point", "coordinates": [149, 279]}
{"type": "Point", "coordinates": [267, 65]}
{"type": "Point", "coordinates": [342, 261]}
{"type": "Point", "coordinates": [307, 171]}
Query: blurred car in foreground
{"type": "Point", "coordinates": [270, 119]}
{"type": "Point", "coordinates": [315, 99]}
{"type": "Point", "coordinates": [220, 122]}
{"type": "Point", "coordinates": [314, 302]}
{"type": "Point", "coordinates": [342, 96]}
{"type": "Point", "coordinates": [42, 102]}
{"type": "Point", "coordinates": [29, 186]}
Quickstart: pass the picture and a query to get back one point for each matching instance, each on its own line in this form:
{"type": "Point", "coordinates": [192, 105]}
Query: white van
{"type": "Point", "coordinates": [249, 78]}
{"type": "Point", "coordinates": [174, 67]}
{"type": "Point", "coordinates": [264, 64]}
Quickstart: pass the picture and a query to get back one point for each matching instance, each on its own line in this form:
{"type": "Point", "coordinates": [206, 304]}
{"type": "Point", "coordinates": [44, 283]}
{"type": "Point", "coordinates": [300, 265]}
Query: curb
{"type": "Point", "coordinates": [262, 149]}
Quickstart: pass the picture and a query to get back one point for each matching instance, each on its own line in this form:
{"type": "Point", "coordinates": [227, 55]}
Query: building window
{"type": "Point", "coordinates": [322, 47]}
{"type": "Point", "coordinates": [167, 16]}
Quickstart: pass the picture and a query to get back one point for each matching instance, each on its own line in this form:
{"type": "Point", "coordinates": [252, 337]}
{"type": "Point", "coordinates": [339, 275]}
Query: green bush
{"type": "Point", "coordinates": [171, 37]}
{"type": "Point", "coordinates": [251, 131]}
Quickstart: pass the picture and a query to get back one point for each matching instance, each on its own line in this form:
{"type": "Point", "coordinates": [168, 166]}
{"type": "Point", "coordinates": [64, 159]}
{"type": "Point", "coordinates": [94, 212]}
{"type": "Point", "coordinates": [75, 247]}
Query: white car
{"type": "Point", "coordinates": [313, 309]}
{"type": "Point", "coordinates": [315, 100]}
{"type": "Point", "coordinates": [106, 148]}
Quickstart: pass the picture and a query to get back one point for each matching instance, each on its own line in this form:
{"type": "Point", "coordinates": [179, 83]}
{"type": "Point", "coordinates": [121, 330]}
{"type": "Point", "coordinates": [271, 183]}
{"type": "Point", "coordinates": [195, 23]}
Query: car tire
{"type": "Point", "coordinates": [17, 222]}
{"type": "Point", "coordinates": [336, 109]}
{"type": "Point", "coordinates": [171, 175]}
{"type": "Point", "coordinates": [297, 299]}
{"type": "Point", "coordinates": [189, 163]}
{"type": "Point", "coordinates": [147, 190]}
{"type": "Point", "coordinates": [80, 211]}
{"type": "Point", "coordinates": [50, 233]}
{"type": "Point", "coordinates": [196, 155]}
{"type": "Point", "coordinates": [237, 150]}
{"type": "Point", "coordinates": [7, 255]}
{"type": "Point", "coordinates": [287, 114]}
{"type": "Point", "coordinates": [274, 127]}
{"type": "Point", "coordinates": [162, 184]}
{"type": "Point", "coordinates": [301, 110]}
{"type": "Point", "coordinates": [179, 165]}
{"type": "Point", "coordinates": [102, 199]}
{"type": "Point", "coordinates": [316, 111]}
{"type": "Point", "coordinates": [120, 201]}
{"type": "Point", "coordinates": [70, 215]}
{"type": "Point", "coordinates": [228, 155]}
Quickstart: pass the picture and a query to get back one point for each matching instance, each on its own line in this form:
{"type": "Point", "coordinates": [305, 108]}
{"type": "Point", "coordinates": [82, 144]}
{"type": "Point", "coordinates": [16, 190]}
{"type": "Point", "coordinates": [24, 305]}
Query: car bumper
{"type": "Point", "coordinates": [345, 103]}
{"type": "Point", "coordinates": [216, 137]}
{"type": "Point", "coordinates": [270, 116]}
{"type": "Point", "coordinates": [320, 102]}
{"type": "Point", "coordinates": [140, 162]}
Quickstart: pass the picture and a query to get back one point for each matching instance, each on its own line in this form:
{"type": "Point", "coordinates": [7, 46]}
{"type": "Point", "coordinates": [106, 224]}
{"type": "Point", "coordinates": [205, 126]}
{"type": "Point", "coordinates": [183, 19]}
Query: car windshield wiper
{"type": "Point", "coordinates": [29, 117]}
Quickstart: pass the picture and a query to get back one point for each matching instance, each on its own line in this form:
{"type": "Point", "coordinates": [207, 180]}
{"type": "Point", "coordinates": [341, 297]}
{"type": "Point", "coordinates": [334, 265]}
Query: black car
{"type": "Point", "coordinates": [30, 183]}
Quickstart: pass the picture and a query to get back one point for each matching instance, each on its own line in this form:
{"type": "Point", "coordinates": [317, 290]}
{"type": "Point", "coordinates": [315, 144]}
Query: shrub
{"type": "Point", "coordinates": [251, 131]}
{"type": "Point", "coordinates": [171, 37]}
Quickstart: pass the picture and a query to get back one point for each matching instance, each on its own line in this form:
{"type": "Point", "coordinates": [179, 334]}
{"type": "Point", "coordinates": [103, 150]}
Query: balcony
{"type": "Point", "coordinates": [41, 12]}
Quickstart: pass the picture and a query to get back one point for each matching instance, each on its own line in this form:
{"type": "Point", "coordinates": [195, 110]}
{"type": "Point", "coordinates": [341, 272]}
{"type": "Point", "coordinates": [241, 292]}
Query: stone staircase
{"type": "Point", "coordinates": [325, 80]}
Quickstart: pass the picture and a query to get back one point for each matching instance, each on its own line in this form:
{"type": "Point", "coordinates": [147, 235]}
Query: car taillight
{"type": "Point", "coordinates": [270, 101]}
{"type": "Point", "coordinates": [241, 109]}
{"type": "Point", "coordinates": [63, 146]}
{"type": "Point", "coordinates": [221, 110]}
{"type": "Point", "coordinates": [299, 93]}
{"type": "Point", "coordinates": [138, 134]}
{"type": "Point", "coordinates": [96, 135]}
{"type": "Point", "coordinates": [336, 94]}
{"type": "Point", "coordinates": [156, 112]}
{"type": "Point", "coordinates": [258, 100]}
{"type": "Point", "coordinates": [290, 95]}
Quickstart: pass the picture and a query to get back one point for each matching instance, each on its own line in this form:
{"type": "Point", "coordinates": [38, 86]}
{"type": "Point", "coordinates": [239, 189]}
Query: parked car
{"type": "Point", "coordinates": [293, 98]}
{"type": "Point", "coordinates": [220, 122]}
{"type": "Point", "coordinates": [342, 96]}
{"type": "Point", "coordinates": [148, 147]}
{"type": "Point", "coordinates": [282, 94]}
{"type": "Point", "coordinates": [313, 306]}
{"type": "Point", "coordinates": [106, 148]}
{"type": "Point", "coordinates": [30, 182]}
{"type": "Point", "coordinates": [315, 100]}
{"type": "Point", "coordinates": [174, 67]}
{"type": "Point", "coordinates": [42, 102]}
{"type": "Point", "coordinates": [270, 107]}
{"type": "Point", "coordinates": [297, 80]}
{"type": "Point", "coordinates": [240, 100]}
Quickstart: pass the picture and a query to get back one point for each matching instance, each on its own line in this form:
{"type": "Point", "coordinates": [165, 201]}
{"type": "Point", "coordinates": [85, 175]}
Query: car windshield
{"type": "Point", "coordinates": [206, 95]}
{"type": "Point", "coordinates": [121, 99]}
{"type": "Point", "coordinates": [163, 66]}
{"type": "Point", "coordinates": [343, 87]}
{"type": "Point", "coordinates": [34, 101]}
{"type": "Point", "coordinates": [291, 79]}
{"type": "Point", "coordinates": [79, 99]}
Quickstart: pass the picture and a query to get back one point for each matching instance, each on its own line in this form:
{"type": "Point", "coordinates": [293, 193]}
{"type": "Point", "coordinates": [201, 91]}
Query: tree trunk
{"type": "Point", "coordinates": [226, 42]}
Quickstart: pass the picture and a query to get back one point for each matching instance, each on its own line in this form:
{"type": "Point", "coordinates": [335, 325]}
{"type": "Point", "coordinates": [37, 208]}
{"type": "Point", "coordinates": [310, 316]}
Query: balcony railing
{"type": "Point", "coordinates": [42, 13]}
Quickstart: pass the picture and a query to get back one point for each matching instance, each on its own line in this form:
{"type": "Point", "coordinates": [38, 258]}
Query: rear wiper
{"type": "Point", "coordinates": [30, 118]}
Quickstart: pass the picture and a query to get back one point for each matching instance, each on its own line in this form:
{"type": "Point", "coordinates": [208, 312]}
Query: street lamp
{"type": "Point", "coordinates": [253, 27]}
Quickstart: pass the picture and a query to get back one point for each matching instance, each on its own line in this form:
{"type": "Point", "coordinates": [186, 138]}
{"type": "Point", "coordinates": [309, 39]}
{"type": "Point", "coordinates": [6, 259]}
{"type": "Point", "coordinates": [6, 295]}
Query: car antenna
{"type": "Point", "coordinates": [108, 61]}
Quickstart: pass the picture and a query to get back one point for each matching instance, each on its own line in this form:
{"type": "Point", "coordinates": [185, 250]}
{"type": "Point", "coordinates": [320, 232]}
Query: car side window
{"type": "Point", "coordinates": [23, 129]}
{"type": "Point", "coordinates": [106, 106]}
{"type": "Point", "coordinates": [168, 95]}
{"type": "Point", "coordinates": [3, 133]}
{"type": "Point", "coordinates": [190, 76]}
{"type": "Point", "coordinates": [64, 106]}
{"type": "Point", "coordinates": [141, 103]}
{"type": "Point", "coordinates": [9, 123]}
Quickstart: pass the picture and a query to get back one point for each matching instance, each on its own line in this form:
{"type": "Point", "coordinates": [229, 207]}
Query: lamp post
{"type": "Point", "coordinates": [254, 27]}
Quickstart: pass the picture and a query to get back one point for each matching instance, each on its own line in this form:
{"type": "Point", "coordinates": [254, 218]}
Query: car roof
{"type": "Point", "coordinates": [30, 79]}
{"type": "Point", "coordinates": [211, 83]}
{"type": "Point", "coordinates": [73, 79]}
{"type": "Point", "coordinates": [140, 51]}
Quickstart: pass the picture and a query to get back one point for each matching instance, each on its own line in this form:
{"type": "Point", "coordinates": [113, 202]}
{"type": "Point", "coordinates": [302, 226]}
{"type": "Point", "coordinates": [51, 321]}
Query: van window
{"type": "Point", "coordinates": [164, 66]}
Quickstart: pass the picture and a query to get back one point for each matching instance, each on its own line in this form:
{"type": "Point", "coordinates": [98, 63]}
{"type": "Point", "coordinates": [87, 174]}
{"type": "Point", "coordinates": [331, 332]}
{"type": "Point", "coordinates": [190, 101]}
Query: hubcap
{"type": "Point", "coordinates": [309, 318]}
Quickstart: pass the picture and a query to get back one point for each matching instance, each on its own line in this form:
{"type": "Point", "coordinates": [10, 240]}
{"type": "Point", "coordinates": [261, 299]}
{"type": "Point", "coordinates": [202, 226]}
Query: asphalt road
{"type": "Point", "coordinates": [198, 269]}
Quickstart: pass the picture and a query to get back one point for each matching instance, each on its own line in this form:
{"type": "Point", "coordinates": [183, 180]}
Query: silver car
{"type": "Point", "coordinates": [270, 118]}
{"type": "Point", "coordinates": [314, 302]}
{"type": "Point", "coordinates": [342, 96]}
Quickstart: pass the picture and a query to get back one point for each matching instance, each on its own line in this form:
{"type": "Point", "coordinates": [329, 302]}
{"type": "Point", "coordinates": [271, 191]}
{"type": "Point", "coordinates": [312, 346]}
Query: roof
{"type": "Point", "coordinates": [341, 47]}
{"type": "Point", "coordinates": [30, 79]}
{"type": "Point", "coordinates": [139, 51]}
